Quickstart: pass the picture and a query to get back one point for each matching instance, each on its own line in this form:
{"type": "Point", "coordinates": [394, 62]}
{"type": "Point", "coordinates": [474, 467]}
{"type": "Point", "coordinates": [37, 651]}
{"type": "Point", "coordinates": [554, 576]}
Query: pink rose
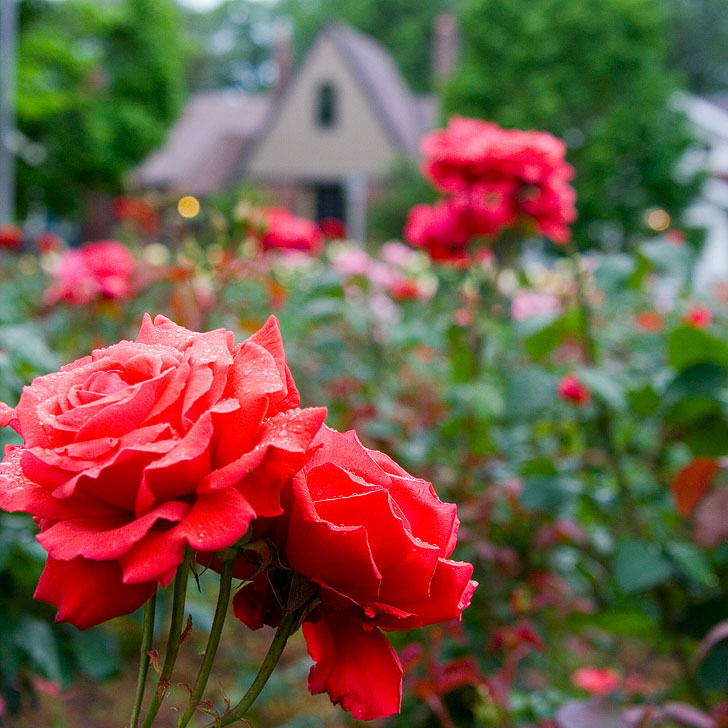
{"type": "Point", "coordinates": [102, 269]}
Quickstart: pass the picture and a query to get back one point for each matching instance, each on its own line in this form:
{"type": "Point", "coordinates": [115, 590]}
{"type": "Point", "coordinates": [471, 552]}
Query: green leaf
{"type": "Point", "coordinates": [544, 341]}
{"type": "Point", "coordinates": [688, 346]}
{"type": "Point", "coordinates": [639, 565]}
{"type": "Point", "coordinates": [548, 493]}
{"type": "Point", "coordinates": [529, 393]}
{"type": "Point", "coordinates": [97, 653]}
{"type": "Point", "coordinates": [644, 401]}
{"type": "Point", "coordinates": [699, 380]}
{"type": "Point", "coordinates": [692, 562]}
{"type": "Point", "coordinates": [35, 637]}
{"type": "Point", "coordinates": [709, 438]}
{"type": "Point", "coordinates": [613, 272]}
{"type": "Point", "coordinates": [603, 387]}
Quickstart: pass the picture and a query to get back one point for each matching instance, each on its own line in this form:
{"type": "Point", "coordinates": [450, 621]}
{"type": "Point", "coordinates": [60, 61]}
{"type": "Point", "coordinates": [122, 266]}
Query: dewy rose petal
{"type": "Point", "coordinates": [376, 541]}
{"type": "Point", "coordinates": [141, 449]}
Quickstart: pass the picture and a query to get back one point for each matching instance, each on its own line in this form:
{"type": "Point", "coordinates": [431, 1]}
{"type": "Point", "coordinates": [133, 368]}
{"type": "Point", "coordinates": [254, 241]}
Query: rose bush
{"type": "Point", "coordinates": [376, 542]}
{"type": "Point", "coordinates": [496, 179]}
{"type": "Point", "coordinates": [143, 448]}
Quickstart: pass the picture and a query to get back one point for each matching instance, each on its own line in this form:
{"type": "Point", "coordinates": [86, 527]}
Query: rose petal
{"type": "Point", "coordinates": [88, 593]}
{"type": "Point", "coordinates": [355, 665]}
{"type": "Point", "coordinates": [450, 593]}
{"type": "Point", "coordinates": [17, 493]}
{"type": "Point", "coordinates": [256, 605]}
{"type": "Point", "coordinates": [269, 337]}
{"type": "Point", "coordinates": [325, 552]}
{"type": "Point", "coordinates": [8, 418]}
{"type": "Point", "coordinates": [216, 521]}
{"type": "Point", "coordinates": [104, 538]}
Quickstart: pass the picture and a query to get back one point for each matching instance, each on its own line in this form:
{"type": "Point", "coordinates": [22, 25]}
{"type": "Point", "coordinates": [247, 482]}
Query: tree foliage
{"type": "Point", "coordinates": [232, 46]}
{"type": "Point", "coordinates": [699, 43]}
{"type": "Point", "coordinates": [403, 27]}
{"type": "Point", "coordinates": [594, 74]}
{"type": "Point", "coordinates": [98, 85]}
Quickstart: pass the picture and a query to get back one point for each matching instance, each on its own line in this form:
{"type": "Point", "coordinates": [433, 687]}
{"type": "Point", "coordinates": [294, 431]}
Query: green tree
{"type": "Point", "coordinates": [699, 43]}
{"type": "Point", "coordinates": [594, 74]}
{"type": "Point", "coordinates": [403, 27]}
{"type": "Point", "coordinates": [232, 46]}
{"type": "Point", "coordinates": [98, 84]}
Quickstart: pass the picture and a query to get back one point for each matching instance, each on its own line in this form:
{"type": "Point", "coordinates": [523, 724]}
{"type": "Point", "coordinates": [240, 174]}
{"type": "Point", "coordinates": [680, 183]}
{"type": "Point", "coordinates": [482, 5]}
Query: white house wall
{"type": "Point", "coordinates": [295, 148]}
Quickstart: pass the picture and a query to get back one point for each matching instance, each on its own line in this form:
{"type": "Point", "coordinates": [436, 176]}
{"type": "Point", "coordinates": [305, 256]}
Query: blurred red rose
{"type": "Point", "coordinates": [699, 317]}
{"type": "Point", "coordinates": [376, 541]}
{"type": "Point", "coordinates": [442, 229]}
{"type": "Point", "coordinates": [648, 321]}
{"type": "Point", "coordinates": [11, 236]}
{"type": "Point", "coordinates": [508, 175]}
{"type": "Point", "coordinates": [130, 454]}
{"type": "Point", "coordinates": [572, 390]}
{"type": "Point", "coordinates": [138, 211]}
{"type": "Point", "coordinates": [597, 681]}
{"type": "Point", "coordinates": [281, 230]}
{"type": "Point", "coordinates": [49, 243]}
{"type": "Point", "coordinates": [333, 228]}
{"type": "Point", "coordinates": [96, 270]}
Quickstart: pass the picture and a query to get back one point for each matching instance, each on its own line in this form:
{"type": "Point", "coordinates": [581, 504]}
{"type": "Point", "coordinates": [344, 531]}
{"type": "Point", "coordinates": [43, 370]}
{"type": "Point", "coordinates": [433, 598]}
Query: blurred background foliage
{"type": "Point", "coordinates": [601, 76]}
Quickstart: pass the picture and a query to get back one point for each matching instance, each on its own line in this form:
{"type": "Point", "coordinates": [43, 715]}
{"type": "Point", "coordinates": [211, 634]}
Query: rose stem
{"type": "Point", "coordinates": [285, 630]}
{"type": "Point", "coordinates": [227, 562]}
{"type": "Point", "coordinates": [173, 641]}
{"type": "Point", "coordinates": [147, 638]}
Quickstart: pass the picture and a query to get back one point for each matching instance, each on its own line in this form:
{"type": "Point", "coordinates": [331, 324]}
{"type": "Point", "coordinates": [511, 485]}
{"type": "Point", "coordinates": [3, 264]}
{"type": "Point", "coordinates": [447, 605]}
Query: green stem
{"type": "Point", "coordinates": [223, 599]}
{"type": "Point", "coordinates": [173, 641]}
{"type": "Point", "coordinates": [286, 628]}
{"type": "Point", "coordinates": [147, 638]}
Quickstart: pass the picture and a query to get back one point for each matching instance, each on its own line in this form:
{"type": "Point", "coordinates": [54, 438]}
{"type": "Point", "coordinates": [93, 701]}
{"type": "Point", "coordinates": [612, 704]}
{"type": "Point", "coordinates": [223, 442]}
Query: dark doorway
{"type": "Point", "coordinates": [330, 202]}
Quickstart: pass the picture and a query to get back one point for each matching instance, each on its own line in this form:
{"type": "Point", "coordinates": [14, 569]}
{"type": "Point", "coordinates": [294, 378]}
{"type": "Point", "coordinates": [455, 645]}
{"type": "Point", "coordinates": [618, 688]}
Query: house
{"type": "Point", "coordinates": [709, 118]}
{"type": "Point", "coordinates": [320, 144]}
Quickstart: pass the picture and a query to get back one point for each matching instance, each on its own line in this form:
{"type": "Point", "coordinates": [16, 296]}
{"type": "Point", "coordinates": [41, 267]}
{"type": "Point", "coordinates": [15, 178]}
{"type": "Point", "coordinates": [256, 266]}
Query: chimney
{"type": "Point", "coordinates": [444, 46]}
{"type": "Point", "coordinates": [282, 53]}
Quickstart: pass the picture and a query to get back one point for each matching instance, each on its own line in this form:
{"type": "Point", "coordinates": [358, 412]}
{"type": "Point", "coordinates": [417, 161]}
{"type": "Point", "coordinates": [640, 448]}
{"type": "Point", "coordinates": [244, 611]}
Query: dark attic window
{"type": "Point", "coordinates": [326, 105]}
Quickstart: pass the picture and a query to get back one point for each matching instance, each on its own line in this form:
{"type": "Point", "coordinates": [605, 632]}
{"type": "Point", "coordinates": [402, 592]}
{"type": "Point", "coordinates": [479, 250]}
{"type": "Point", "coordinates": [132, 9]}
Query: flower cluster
{"type": "Point", "coordinates": [97, 270]}
{"type": "Point", "coordinates": [276, 228]}
{"type": "Point", "coordinates": [496, 179]}
{"type": "Point", "coordinates": [183, 440]}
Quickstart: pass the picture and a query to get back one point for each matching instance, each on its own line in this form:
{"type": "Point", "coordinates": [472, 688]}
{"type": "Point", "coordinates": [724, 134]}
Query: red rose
{"type": "Point", "coordinates": [178, 438]}
{"type": "Point", "coordinates": [510, 176]}
{"type": "Point", "coordinates": [376, 541]}
{"type": "Point", "coordinates": [333, 228]}
{"type": "Point", "coordinates": [11, 236]}
{"type": "Point", "coordinates": [597, 681]}
{"type": "Point", "coordinates": [572, 390]}
{"type": "Point", "coordinates": [442, 229]}
{"type": "Point", "coordinates": [285, 231]}
{"type": "Point", "coordinates": [699, 316]}
{"type": "Point", "coordinates": [102, 269]}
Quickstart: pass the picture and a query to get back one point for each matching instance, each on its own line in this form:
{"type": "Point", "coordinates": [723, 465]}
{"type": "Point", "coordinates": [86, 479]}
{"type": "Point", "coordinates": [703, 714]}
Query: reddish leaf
{"type": "Point", "coordinates": [154, 660]}
{"type": "Point", "coordinates": [684, 714]}
{"type": "Point", "coordinates": [711, 525]}
{"type": "Point", "coordinates": [595, 713]}
{"type": "Point", "coordinates": [186, 631]}
{"type": "Point", "coordinates": [717, 634]}
{"type": "Point", "coordinates": [691, 483]}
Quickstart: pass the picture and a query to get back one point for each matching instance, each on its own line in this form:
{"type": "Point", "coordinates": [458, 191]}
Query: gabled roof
{"type": "Point", "coordinates": [402, 113]}
{"type": "Point", "coordinates": [201, 151]}
{"type": "Point", "coordinates": [218, 132]}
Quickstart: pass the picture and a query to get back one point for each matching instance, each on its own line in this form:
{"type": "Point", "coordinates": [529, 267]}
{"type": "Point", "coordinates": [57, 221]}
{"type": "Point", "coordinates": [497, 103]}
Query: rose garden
{"type": "Point", "coordinates": [257, 472]}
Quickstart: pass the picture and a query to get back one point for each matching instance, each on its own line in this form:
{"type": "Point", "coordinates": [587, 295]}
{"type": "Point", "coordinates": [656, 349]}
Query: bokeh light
{"type": "Point", "coordinates": [188, 206]}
